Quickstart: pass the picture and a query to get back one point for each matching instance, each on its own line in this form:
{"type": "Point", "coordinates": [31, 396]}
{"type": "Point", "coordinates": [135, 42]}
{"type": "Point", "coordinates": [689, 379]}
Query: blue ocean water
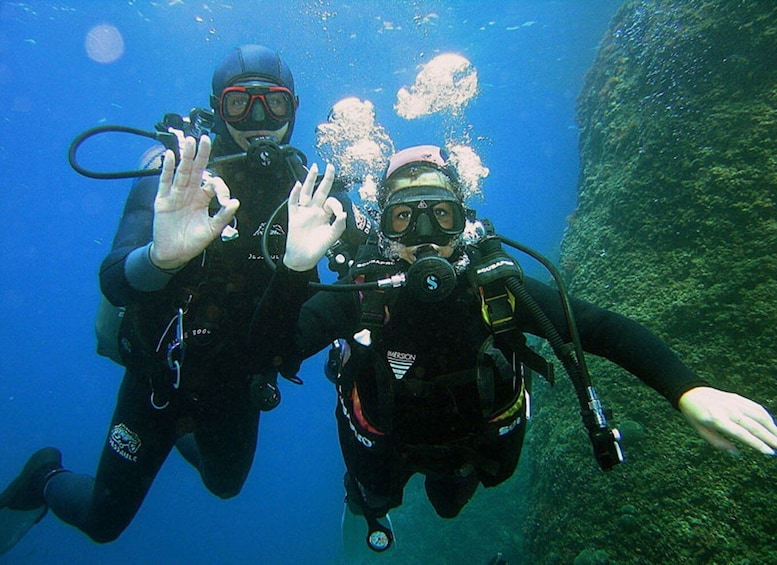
{"type": "Point", "coordinates": [531, 57]}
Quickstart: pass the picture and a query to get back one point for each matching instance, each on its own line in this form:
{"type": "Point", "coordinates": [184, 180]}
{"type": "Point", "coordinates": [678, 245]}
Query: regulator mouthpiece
{"type": "Point", "coordinates": [264, 152]}
{"type": "Point", "coordinates": [431, 278]}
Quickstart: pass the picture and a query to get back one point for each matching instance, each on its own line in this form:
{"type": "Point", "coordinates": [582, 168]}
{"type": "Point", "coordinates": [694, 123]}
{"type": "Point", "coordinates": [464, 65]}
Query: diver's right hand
{"type": "Point", "coordinates": [311, 229]}
{"type": "Point", "coordinates": [183, 227]}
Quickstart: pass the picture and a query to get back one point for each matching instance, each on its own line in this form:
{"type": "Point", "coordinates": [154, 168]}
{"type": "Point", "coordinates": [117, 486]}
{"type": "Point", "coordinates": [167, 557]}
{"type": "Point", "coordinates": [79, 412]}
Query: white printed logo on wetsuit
{"type": "Point", "coordinates": [362, 222]}
{"type": "Point", "coordinates": [125, 442]}
{"type": "Point", "coordinates": [400, 362]}
{"type": "Point", "coordinates": [275, 231]}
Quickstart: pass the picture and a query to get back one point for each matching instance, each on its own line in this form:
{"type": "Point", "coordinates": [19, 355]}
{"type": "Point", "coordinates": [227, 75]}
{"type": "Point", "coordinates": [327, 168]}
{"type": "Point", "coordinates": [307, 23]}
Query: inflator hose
{"type": "Point", "coordinates": [571, 325]}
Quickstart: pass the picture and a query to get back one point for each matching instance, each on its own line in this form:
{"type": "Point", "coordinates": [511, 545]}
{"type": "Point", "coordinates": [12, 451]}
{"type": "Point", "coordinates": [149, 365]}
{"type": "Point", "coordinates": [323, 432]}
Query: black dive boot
{"type": "Point", "coordinates": [21, 503]}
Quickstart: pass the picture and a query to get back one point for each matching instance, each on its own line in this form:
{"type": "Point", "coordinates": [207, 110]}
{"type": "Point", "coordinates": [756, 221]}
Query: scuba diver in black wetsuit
{"type": "Point", "coordinates": [434, 373]}
{"type": "Point", "coordinates": [187, 267]}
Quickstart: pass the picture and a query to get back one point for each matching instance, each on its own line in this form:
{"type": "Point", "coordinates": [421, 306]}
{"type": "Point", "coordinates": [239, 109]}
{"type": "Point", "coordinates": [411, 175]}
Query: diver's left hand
{"type": "Point", "coordinates": [311, 229]}
{"type": "Point", "coordinates": [716, 414]}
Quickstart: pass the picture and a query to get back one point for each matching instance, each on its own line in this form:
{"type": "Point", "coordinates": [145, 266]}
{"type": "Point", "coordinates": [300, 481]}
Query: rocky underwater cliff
{"type": "Point", "coordinates": [676, 227]}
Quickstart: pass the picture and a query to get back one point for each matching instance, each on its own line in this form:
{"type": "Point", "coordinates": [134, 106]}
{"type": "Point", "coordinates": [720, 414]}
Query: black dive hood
{"type": "Point", "coordinates": [263, 152]}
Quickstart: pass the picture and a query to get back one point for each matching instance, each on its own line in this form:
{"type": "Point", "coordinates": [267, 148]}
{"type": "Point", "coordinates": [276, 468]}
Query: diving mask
{"type": "Point", "coordinates": [422, 214]}
{"type": "Point", "coordinates": [257, 105]}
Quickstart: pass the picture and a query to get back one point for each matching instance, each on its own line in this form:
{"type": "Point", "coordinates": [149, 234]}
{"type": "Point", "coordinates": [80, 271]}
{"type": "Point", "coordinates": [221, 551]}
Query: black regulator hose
{"type": "Point", "coordinates": [262, 152]}
{"type": "Point", "coordinates": [165, 138]}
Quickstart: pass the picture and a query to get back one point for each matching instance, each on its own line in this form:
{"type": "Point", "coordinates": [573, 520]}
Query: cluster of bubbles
{"type": "Point", "coordinates": [469, 168]}
{"type": "Point", "coordinates": [355, 143]}
{"type": "Point", "coordinates": [446, 84]}
{"type": "Point", "coordinates": [359, 147]}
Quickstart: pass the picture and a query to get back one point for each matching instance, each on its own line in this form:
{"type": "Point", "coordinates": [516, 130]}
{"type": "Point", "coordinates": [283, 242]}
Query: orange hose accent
{"type": "Point", "coordinates": [359, 413]}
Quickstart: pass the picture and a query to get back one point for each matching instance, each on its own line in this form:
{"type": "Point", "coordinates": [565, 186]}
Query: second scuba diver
{"type": "Point", "coordinates": [428, 382]}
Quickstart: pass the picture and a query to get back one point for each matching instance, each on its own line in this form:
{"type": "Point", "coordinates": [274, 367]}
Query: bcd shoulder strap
{"type": "Point", "coordinates": [491, 267]}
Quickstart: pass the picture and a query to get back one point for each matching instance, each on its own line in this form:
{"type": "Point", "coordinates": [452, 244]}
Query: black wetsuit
{"type": "Point", "coordinates": [434, 421]}
{"type": "Point", "coordinates": [210, 414]}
